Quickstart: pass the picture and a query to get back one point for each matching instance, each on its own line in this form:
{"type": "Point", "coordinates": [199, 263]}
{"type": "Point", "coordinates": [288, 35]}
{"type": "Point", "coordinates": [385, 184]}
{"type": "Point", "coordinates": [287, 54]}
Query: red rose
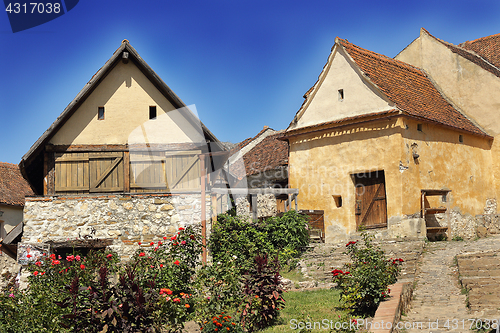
{"type": "Point", "coordinates": [142, 254]}
{"type": "Point", "coordinates": [177, 262]}
{"type": "Point", "coordinates": [82, 266]}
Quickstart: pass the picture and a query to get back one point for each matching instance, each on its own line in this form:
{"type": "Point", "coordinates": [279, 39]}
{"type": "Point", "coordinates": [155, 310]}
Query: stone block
{"type": "Point", "coordinates": [128, 205]}
{"type": "Point", "coordinates": [167, 207]}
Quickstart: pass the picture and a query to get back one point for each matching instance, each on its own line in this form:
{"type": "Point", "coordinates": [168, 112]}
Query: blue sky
{"type": "Point", "coordinates": [244, 64]}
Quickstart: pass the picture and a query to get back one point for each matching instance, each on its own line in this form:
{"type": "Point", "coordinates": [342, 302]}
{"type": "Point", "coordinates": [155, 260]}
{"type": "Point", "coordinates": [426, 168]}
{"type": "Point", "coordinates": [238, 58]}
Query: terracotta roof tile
{"type": "Point", "coordinates": [409, 88]}
{"type": "Point", "coordinates": [269, 154]}
{"type": "Point", "coordinates": [486, 47]}
{"type": "Point", "coordinates": [13, 187]}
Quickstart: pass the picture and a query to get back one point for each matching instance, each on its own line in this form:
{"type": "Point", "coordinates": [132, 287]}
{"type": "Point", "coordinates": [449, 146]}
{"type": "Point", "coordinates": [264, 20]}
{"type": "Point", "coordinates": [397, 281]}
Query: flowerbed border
{"type": "Point", "coordinates": [389, 311]}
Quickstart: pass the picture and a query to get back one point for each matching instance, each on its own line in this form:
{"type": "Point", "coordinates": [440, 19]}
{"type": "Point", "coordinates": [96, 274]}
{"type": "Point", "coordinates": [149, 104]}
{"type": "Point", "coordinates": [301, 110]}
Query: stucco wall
{"type": "Point", "coordinates": [126, 219]}
{"type": "Point", "coordinates": [10, 216]}
{"type": "Point", "coordinates": [360, 97]}
{"type": "Point", "coordinates": [471, 88]}
{"type": "Point", "coordinates": [126, 95]}
{"type": "Point", "coordinates": [321, 166]}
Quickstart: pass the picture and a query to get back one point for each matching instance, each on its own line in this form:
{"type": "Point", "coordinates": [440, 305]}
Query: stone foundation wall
{"type": "Point", "coordinates": [266, 206]}
{"type": "Point", "coordinates": [126, 219]}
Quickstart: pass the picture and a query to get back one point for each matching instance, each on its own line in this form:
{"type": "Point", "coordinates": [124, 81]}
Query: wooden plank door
{"type": "Point", "coordinates": [371, 202]}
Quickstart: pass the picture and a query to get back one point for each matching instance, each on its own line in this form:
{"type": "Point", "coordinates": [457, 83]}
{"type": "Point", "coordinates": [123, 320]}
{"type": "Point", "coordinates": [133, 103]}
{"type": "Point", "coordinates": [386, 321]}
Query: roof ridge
{"type": "Point", "coordinates": [383, 57]}
{"type": "Point", "coordinates": [468, 42]}
{"type": "Point", "coordinates": [7, 164]}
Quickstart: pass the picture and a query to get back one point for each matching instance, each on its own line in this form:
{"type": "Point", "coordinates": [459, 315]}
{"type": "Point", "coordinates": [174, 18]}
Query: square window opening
{"type": "Point", "coordinates": [100, 113]}
{"type": "Point", "coordinates": [152, 112]}
{"type": "Point", "coordinates": [461, 138]}
{"type": "Point", "coordinates": [419, 127]}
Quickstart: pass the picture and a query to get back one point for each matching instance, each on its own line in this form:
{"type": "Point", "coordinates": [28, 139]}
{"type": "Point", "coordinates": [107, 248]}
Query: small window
{"type": "Point", "coordinates": [338, 200]}
{"type": "Point", "coordinates": [419, 127]}
{"type": "Point", "coordinates": [152, 112]}
{"type": "Point", "coordinates": [461, 138]}
{"type": "Point", "coordinates": [341, 95]}
{"type": "Point", "coordinates": [100, 113]}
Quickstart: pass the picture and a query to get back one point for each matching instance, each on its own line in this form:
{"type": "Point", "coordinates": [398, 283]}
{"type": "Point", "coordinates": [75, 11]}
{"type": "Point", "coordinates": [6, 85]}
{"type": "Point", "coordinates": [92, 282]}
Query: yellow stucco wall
{"type": "Point", "coordinates": [126, 95]}
{"type": "Point", "coordinates": [360, 96]}
{"type": "Point", "coordinates": [472, 89]}
{"type": "Point", "coordinates": [321, 166]}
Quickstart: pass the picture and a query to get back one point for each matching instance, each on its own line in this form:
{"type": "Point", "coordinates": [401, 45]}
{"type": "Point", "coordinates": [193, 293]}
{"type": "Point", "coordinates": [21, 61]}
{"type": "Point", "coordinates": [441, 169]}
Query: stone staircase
{"type": "Point", "coordinates": [320, 259]}
{"type": "Point", "coordinates": [480, 274]}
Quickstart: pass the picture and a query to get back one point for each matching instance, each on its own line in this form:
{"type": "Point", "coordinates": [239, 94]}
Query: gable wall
{"type": "Point", "coordinates": [359, 96]}
{"type": "Point", "coordinates": [468, 86]}
{"type": "Point", "coordinates": [126, 94]}
{"type": "Point", "coordinates": [472, 89]}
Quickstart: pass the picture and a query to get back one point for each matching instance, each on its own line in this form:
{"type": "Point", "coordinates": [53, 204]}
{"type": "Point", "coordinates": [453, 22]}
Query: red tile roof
{"type": "Point", "coordinates": [487, 47]}
{"type": "Point", "coordinates": [13, 187]}
{"type": "Point", "coordinates": [409, 88]}
{"type": "Point", "coordinates": [268, 154]}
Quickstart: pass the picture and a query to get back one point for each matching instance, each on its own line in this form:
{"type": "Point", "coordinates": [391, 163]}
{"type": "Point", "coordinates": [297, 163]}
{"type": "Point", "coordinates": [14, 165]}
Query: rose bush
{"type": "Point", "coordinates": [364, 282]}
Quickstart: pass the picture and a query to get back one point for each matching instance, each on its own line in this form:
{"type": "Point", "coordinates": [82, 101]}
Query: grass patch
{"type": "Point", "coordinates": [307, 305]}
{"type": "Point", "coordinates": [293, 275]}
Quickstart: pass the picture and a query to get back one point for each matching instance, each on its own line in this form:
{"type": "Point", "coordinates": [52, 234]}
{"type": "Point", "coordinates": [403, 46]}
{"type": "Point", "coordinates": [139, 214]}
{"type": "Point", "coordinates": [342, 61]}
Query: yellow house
{"type": "Point", "coordinates": [403, 146]}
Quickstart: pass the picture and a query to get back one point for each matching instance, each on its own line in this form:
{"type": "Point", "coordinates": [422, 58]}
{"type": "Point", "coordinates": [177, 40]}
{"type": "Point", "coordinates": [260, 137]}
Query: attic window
{"type": "Point", "coordinates": [341, 95]}
{"type": "Point", "coordinates": [152, 112]}
{"type": "Point", "coordinates": [100, 113]}
{"type": "Point", "coordinates": [419, 127]}
{"type": "Point", "coordinates": [461, 138]}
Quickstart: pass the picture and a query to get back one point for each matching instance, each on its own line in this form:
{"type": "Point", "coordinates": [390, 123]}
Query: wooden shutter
{"type": "Point", "coordinates": [88, 172]}
{"type": "Point", "coordinates": [71, 172]}
{"type": "Point", "coordinates": [106, 172]}
{"type": "Point", "coordinates": [371, 203]}
{"type": "Point", "coordinates": [147, 171]}
{"type": "Point", "coordinates": [183, 171]}
{"type": "Point", "coordinates": [161, 171]}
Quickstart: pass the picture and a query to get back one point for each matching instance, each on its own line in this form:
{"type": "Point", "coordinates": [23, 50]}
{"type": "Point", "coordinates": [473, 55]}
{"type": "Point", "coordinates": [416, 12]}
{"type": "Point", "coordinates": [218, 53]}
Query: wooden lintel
{"type": "Point", "coordinates": [81, 243]}
{"type": "Point", "coordinates": [124, 147]}
{"type": "Point", "coordinates": [245, 191]}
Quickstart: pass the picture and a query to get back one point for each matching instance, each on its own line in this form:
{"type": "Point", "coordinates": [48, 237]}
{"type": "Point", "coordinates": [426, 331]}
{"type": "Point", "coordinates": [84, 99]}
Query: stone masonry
{"type": "Point", "coordinates": [125, 219]}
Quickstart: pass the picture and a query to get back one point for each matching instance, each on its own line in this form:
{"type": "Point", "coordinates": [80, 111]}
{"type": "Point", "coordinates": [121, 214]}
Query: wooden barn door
{"type": "Point", "coordinates": [89, 172]}
{"type": "Point", "coordinates": [371, 203]}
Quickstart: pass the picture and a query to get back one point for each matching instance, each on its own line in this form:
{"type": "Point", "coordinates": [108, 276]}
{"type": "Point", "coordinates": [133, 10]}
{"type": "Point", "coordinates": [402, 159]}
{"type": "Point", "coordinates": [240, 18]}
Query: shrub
{"type": "Point", "coordinates": [263, 294]}
{"type": "Point", "coordinates": [94, 294]}
{"type": "Point", "coordinates": [364, 282]}
{"type": "Point", "coordinates": [218, 290]}
{"type": "Point", "coordinates": [285, 236]}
